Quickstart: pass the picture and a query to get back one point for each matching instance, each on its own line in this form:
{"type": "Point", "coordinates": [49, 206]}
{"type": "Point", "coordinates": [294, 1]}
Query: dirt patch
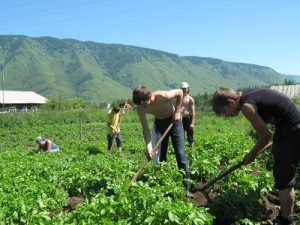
{"type": "Point", "coordinates": [73, 202]}
{"type": "Point", "coordinates": [201, 198]}
{"type": "Point", "coordinates": [269, 202]}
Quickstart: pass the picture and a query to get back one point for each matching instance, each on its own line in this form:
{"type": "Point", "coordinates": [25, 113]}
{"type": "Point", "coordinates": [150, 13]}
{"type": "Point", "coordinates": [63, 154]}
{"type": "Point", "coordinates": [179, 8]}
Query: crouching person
{"type": "Point", "coordinates": [46, 145]}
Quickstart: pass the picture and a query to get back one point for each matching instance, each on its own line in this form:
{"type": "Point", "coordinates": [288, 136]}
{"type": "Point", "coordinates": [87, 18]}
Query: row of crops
{"type": "Point", "coordinates": [38, 188]}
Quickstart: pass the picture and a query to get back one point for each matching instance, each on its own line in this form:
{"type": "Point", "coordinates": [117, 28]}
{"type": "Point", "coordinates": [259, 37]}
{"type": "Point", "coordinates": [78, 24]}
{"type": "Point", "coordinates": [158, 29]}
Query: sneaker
{"type": "Point", "coordinates": [276, 221]}
{"type": "Point", "coordinates": [189, 194]}
{"type": "Point", "coordinates": [279, 220]}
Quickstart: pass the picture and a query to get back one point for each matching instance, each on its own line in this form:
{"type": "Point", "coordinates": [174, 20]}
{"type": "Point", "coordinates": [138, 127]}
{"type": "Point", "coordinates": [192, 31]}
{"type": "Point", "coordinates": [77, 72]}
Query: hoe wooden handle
{"type": "Point", "coordinates": [231, 169]}
{"type": "Point", "coordinates": [154, 149]}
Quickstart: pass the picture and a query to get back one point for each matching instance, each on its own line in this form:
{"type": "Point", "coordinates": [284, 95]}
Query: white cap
{"type": "Point", "coordinates": [184, 85]}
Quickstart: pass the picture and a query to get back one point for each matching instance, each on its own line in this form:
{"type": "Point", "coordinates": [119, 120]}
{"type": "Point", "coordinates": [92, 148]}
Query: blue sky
{"type": "Point", "coordinates": [261, 32]}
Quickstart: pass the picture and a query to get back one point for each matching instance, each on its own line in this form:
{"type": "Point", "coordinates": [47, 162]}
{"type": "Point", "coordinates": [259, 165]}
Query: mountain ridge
{"type": "Point", "coordinates": [94, 71]}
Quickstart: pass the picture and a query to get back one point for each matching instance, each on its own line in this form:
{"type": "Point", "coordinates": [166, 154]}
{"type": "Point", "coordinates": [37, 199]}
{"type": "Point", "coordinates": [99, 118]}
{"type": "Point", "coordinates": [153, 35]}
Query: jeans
{"type": "Point", "coordinates": [54, 150]}
{"type": "Point", "coordinates": [111, 138]}
{"type": "Point", "coordinates": [177, 137]}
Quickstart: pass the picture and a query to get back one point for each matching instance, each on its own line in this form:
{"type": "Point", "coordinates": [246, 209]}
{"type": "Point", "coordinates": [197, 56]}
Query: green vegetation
{"type": "Point", "coordinates": [99, 72]}
{"type": "Point", "coordinates": [36, 188]}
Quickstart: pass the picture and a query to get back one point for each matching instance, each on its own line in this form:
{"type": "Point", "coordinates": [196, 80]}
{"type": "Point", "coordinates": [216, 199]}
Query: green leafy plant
{"type": "Point", "coordinates": [36, 188]}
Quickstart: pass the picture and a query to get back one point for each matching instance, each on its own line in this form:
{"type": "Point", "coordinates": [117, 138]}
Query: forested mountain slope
{"type": "Point", "coordinates": [102, 72]}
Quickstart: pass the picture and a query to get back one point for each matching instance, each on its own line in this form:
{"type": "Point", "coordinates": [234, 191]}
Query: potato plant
{"type": "Point", "coordinates": [37, 188]}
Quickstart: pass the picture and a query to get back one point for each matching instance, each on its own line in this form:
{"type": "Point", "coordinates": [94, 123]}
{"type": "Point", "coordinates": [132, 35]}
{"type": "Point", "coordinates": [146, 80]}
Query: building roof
{"type": "Point", "coordinates": [291, 91]}
{"type": "Point", "coordinates": [21, 97]}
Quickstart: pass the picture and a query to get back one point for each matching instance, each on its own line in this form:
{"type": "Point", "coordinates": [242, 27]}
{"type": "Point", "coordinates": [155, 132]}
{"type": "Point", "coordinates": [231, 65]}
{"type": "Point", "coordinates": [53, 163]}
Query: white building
{"type": "Point", "coordinates": [291, 91]}
{"type": "Point", "coordinates": [21, 99]}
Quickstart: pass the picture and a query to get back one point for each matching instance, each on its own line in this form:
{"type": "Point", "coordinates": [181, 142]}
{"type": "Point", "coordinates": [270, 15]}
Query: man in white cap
{"type": "Point", "coordinates": [188, 113]}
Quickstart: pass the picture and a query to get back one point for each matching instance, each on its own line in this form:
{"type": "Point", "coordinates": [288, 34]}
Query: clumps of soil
{"type": "Point", "coordinates": [73, 202]}
{"type": "Point", "coordinates": [71, 205]}
{"type": "Point", "coordinates": [268, 204]}
{"type": "Point", "coordinates": [201, 198]}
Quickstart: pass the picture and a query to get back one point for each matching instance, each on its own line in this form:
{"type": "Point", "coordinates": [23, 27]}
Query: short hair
{"type": "Point", "coordinates": [220, 99]}
{"type": "Point", "coordinates": [122, 104]}
{"type": "Point", "coordinates": [140, 94]}
{"type": "Point", "coordinates": [116, 108]}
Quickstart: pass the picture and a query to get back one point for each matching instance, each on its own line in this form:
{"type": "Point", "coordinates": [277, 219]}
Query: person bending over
{"type": "Point", "coordinates": [262, 106]}
{"type": "Point", "coordinates": [160, 105]}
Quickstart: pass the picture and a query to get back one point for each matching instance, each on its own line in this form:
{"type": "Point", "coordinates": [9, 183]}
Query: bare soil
{"type": "Point", "coordinates": [73, 202]}
{"type": "Point", "coordinates": [204, 198]}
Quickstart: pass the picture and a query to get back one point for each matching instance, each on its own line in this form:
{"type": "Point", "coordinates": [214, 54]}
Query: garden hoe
{"type": "Point", "coordinates": [226, 173]}
{"type": "Point", "coordinates": [154, 149]}
{"type": "Point", "coordinates": [112, 143]}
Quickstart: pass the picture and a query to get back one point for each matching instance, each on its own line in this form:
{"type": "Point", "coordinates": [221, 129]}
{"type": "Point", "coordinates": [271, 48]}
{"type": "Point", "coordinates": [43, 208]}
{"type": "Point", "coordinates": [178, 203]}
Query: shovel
{"type": "Point", "coordinates": [154, 149]}
{"type": "Point", "coordinates": [230, 170]}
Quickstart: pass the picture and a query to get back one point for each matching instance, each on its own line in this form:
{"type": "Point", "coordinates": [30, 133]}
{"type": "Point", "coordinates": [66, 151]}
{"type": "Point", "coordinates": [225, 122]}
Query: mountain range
{"type": "Point", "coordinates": [94, 71]}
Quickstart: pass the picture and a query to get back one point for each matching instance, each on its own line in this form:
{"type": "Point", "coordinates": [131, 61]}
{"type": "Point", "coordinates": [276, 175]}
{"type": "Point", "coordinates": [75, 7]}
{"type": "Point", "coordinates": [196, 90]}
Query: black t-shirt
{"type": "Point", "coordinates": [272, 106]}
{"type": "Point", "coordinates": [45, 146]}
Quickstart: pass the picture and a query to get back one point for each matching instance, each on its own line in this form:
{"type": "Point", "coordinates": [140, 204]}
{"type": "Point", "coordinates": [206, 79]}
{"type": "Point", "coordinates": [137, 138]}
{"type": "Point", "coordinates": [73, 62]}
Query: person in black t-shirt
{"type": "Point", "coordinates": [262, 106]}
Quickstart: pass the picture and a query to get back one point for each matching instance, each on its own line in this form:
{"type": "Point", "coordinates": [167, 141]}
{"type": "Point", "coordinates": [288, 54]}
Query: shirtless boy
{"type": "Point", "coordinates": [160, 105]}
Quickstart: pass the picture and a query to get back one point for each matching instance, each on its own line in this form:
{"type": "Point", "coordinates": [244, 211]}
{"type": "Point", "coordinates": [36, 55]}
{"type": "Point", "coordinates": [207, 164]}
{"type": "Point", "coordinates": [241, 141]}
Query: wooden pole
{"type": "Point", "coordinates": [154, 149]}
{"type": "Point", "coordinates": [3, 104]}
{"type": "Point", "coordinates": [80, 131]}
{"type": "Point", "coordinates": [231, 169]}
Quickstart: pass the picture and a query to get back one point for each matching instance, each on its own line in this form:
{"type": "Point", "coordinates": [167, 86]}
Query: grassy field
{"type": "Point", "coordinates": [42, 188]}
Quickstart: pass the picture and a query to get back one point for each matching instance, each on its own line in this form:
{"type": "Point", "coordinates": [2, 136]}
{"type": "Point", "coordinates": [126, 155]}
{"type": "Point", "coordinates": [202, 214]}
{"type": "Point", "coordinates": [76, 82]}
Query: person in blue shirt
{"type": "Point", "coordinates": [46, 145]}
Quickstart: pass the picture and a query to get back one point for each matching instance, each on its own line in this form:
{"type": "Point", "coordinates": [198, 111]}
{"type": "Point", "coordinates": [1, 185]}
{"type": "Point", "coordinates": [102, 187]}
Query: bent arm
{"type": "Point", "coordinates": [112, 127]}
{"type": "Point", "coordinates": [178, 94]}
{"type": "Point", "coordinates": [264, 135]}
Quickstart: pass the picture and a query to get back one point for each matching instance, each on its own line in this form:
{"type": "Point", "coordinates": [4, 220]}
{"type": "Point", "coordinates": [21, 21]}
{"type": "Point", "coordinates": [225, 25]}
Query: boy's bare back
{"type": "Point", "coordinates": [161, 105]}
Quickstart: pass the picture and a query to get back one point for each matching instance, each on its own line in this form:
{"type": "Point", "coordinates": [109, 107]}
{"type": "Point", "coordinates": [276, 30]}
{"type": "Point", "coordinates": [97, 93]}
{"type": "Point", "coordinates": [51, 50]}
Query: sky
{"type": "Point", "coordinates": [260, 32]}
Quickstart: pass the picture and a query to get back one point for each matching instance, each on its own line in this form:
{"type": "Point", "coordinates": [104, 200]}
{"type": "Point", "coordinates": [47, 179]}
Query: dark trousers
{"type": "Point", "coordinates": [286, 152]}
{"type": "Point", "coordinates": [112, 137]}
{"type": "Point", "coordinates": [177, 137]}
{"type": "Point", "coordinates": [186, 121]}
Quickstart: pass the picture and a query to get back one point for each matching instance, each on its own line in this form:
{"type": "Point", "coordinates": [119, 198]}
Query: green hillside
{"type": "Point", "coordinates": [102, 72]}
